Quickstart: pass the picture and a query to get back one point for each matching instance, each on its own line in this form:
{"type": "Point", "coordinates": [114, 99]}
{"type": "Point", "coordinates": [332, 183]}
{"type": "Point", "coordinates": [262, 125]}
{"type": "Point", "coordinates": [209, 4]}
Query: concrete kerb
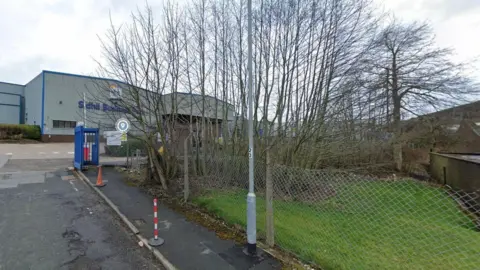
{"type": "Point", "coordinates": [132, 227]}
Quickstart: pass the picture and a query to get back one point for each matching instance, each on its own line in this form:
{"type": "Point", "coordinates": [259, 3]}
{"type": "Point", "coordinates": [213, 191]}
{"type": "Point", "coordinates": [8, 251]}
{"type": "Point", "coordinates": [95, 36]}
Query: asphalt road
{"type": "Point", "coordinates": [38, 150]}
{"type": "Point", "coordinates": [48, 152]}
{"type": "Point", "coordinates": [49, 220]}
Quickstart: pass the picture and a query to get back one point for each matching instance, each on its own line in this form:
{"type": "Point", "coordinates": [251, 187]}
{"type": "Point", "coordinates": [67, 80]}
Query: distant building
{"type": "Point", "coordinates": [460, 123]}
{"type": "Point", "coordinates": [55, 102]}
{"type": "Point", "coordinates": [12, 103]}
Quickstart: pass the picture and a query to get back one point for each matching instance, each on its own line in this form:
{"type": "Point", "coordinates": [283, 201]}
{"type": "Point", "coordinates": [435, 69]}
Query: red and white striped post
{"type": "Point", "coordinates": [155, 241]}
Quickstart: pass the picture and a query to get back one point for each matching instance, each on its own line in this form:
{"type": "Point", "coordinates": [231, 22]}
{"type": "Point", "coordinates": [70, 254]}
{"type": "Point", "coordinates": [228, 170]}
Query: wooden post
{"type": "Point", "coordinates": [269, 201]}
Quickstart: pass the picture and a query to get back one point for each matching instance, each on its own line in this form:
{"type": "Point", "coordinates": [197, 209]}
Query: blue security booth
{"type": "Point", "coordinates": [86, 147]}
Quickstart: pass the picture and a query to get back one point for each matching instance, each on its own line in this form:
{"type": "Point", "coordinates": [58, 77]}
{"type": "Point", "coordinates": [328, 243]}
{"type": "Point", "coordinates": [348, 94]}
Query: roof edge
{"type": "Point", "coordinates": [81, 76]}
{"type": "Point", "coordinates": [16, 84]}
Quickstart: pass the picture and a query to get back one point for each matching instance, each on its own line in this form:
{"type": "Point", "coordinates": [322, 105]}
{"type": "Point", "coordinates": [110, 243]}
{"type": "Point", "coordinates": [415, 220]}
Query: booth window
{"type": "Point", "coordinates": [64, 124]}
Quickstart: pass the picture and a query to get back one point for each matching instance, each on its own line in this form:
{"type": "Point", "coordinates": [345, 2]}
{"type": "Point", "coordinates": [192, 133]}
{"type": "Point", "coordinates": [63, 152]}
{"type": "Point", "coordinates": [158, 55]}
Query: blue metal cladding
{"type": "Point", "coordinates": [96, 148]}
{"type": "Point", "coordinates": [86, 147]}
{"type": "Point", "coordinates": [42, 123]}
{"type": "Point", "coordinates": [78, 154]}
{"type": "Point", "coordinates": [20, 105]}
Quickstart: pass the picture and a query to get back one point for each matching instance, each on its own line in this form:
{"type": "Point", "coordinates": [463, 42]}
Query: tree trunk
{"type": "Point", "coordinates": [397, 143]}
{"type": "Point", "coordinates": [158, 169]}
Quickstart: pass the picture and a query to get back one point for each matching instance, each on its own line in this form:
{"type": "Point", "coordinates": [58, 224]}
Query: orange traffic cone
{"type": "Point", "coordinates": [99, 178]}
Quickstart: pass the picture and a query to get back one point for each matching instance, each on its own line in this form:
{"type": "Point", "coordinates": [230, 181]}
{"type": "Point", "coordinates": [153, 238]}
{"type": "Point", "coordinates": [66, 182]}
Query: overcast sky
{"type": "Point", "coordinates": [61, 35]}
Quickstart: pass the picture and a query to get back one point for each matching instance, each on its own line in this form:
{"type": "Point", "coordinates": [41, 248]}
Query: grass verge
{"type": "Point", "coordinates": [366, 225]}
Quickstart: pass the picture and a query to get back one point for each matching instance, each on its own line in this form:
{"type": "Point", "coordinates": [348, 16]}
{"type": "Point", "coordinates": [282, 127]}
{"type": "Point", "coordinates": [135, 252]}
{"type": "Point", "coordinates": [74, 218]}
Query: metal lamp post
{"type": "Point", "coordinates": [251, 200]}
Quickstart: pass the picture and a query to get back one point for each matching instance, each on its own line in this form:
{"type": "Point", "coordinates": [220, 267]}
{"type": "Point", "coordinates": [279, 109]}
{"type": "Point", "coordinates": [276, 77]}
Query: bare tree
{"type": "Point", "coordinates": [144, 58]}
{"type": "Point", "coordinates": [325, 79]}
{"type": "Point", "coordinates": [414, 74]}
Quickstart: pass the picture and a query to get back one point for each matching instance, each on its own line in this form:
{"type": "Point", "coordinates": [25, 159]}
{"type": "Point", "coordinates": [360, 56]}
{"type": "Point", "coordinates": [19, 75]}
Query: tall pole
{"type": "Point", "coordinates": [84, 110]}
{"type": "Point", "coordinates": [84, 119]}
{"type": "Point", "coordinates": [251, 212]}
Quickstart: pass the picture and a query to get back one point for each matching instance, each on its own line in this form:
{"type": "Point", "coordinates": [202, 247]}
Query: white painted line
{"type": "Point", "coordinates": [41, 153]}
{"type": "Point", "coordinates": [206, 250]}
{"type": "Point", "coordinates": [70, 153]}
{"type": "Point", "coordinates": [9, 154]}
{"type": "Point", "coordinates": [166, 224]}
{"type": "Point", "coordinates": [55, 153]}
{"type": "Point", "coordinates": [73, 185]}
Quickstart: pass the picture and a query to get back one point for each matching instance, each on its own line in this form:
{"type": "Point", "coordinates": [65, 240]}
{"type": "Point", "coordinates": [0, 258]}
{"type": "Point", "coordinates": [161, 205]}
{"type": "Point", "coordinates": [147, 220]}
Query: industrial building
{"type": "Point", "coordinates": [58, 101]}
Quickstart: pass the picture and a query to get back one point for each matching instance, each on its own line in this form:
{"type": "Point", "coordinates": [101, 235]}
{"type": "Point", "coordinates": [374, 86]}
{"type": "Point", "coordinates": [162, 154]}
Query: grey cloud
{"type": "Point", "coordinates": [450, 8]}
{"type": "Point", "coordinates": [21, 72]}
{"type": "Point", "coordinates": [122, 6]}
{"type": "Point", "coordinates": [17, 31]}
{"type": "Point", "coordinates": [128, 6]}
{"type": "Point", "coordinates": [62, 7]}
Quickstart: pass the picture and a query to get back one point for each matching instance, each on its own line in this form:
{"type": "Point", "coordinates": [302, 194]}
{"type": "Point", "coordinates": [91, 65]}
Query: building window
{"type": "Point", "coordinates": [64, 124]}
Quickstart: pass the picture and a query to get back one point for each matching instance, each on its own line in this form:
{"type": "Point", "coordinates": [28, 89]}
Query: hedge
{"type": "Point", "coordinates": [17, 132]}
{"type": "Point", "coordinates": [121, 151]}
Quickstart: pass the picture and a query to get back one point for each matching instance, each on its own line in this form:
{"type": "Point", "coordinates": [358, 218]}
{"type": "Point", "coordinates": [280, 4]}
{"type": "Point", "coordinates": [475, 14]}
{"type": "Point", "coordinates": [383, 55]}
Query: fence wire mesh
{"type": "Point", "coordinates": [340, 220]}
{"type": "Point", "coordinates": [131, 154]}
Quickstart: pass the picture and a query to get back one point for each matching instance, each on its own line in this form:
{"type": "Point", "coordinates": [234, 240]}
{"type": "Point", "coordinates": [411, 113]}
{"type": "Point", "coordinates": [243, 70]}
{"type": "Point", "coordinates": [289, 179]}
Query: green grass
{"type": "Point", "coordinates": [368, 225]}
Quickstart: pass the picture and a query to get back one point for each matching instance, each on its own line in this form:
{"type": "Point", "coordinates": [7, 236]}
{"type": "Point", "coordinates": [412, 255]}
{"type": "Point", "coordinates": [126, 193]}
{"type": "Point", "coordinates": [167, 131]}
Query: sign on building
{"type": "Point", "coordinates": [122, 125]}
{"type": "Point", "coordinates": [115, 91]}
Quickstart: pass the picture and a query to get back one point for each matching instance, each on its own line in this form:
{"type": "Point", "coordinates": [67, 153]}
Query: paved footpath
{"type": "Point", "coordinates": [187, 245]}
{"type": "Point", "coordinates": [49, 220]}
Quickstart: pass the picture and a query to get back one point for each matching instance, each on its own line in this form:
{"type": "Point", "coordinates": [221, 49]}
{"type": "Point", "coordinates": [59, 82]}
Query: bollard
{"type": "Point", "coordinates": [155, 241]}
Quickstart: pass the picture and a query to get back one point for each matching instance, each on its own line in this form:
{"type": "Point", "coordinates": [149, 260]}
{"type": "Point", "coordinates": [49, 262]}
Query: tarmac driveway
{"type": "Point", "coordinates": [50, 220]}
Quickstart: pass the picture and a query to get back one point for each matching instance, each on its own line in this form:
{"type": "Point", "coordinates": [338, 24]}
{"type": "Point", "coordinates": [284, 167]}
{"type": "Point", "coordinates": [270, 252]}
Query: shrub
{"type": "Point", "coordinates": [31, 132]}
{"type": "Point", "coordinates": [121, 151]}
{"type": "Point", "coordinates": [13, 131]}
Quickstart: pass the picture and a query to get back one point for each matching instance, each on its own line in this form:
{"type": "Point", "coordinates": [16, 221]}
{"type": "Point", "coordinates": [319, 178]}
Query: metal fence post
{"type": "Point", "coordinates": [137, 153]}
{"type": "Point", "coordinates": [186, 183]}
{"type": "Point", "coordinates": [269, 201]}
{"type": "Point", "coordinates": [128, 155]}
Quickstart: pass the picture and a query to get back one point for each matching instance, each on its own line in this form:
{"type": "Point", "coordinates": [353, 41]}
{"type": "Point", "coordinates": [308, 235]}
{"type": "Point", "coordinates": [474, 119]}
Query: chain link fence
{"type": "Point", "coordinates": [131, 153]}
{"type": "Point", "coordinates": [339, 220]}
